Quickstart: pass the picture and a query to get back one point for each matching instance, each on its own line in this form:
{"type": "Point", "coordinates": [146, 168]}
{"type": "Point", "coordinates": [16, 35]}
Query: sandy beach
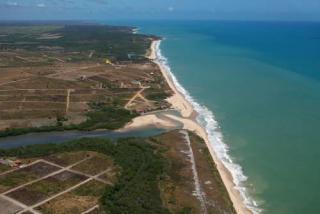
{"type": "Point", "coordinates": [177, 100]}
{"type": "Point", "coordinates": [187, 112]}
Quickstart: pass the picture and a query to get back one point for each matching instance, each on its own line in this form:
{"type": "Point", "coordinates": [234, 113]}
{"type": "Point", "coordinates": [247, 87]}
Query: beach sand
{"type": "Point", "coordinates": [149, 120]}
{"type": "Point", "coordinates": [177, 100]}
{"type": "Point", "coordinates": [187, 118]}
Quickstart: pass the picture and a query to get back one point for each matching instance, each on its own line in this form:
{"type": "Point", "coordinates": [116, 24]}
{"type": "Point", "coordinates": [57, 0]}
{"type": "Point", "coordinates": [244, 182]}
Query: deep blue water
{"type": "Point", "coordinates": [292, 46]}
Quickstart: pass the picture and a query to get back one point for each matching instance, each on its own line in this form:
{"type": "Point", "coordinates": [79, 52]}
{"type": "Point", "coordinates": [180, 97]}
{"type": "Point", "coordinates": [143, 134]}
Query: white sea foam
{"type": "Point", "coordinates": [207, 120]}
{"type": "Point", "coordinates": [135, 30]}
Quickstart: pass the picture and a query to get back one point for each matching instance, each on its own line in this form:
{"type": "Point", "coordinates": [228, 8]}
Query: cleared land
{"type": "Point", "coordinates": [50, 74]}
{"type": "Point", "coordinates": [82, 199]}
{"type": "Point", "coordinates": [170, 173]}
{"type": "Point", "coordinates": [47, 187]}
{"type": "Point", "coordinates": [24, 175]}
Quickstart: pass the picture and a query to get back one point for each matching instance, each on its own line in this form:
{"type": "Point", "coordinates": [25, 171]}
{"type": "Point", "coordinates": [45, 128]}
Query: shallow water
{"type": "Point", "coordinates": [61, 137]}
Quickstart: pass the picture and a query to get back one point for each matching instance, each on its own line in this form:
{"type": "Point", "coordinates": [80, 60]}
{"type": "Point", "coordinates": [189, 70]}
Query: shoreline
{"type": "Point", "coordinates": [188, 119]}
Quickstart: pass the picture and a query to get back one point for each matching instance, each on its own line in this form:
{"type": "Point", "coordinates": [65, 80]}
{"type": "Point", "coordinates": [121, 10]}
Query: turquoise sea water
{"type": "Point", "coordinates": [261, 80]}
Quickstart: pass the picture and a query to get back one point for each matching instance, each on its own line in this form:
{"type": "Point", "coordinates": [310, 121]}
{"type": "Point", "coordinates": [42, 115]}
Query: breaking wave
{"type": "Point", "coordinates": [207, 120]}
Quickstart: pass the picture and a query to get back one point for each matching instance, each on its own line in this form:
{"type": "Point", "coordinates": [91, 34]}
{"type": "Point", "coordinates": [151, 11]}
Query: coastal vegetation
{"type": "Point", "coordinates": [107, 41]}
{"type": "Point", "coordinates": [100, 117]}
{"type": "Point", "coordinates": [152, 175]}
{"type": "Point", "coordinates": [141, 168]}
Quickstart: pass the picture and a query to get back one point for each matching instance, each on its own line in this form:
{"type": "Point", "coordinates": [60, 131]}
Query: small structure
{"type": "Point", "coordinates": [11, 163]}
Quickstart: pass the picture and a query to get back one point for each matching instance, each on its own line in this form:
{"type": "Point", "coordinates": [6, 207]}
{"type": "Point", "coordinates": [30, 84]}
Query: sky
{"type": "Point", "coordinates": [292, 10]}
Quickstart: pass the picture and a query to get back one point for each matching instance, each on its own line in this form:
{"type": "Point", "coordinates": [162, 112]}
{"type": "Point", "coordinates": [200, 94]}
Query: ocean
{"type": "Point", "coordinates": [256, 86]}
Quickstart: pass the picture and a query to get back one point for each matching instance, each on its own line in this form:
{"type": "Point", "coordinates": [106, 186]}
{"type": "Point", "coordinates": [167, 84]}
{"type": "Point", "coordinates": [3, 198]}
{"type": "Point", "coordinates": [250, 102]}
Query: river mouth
{"type": "Point", "coordinates": [62, 137]}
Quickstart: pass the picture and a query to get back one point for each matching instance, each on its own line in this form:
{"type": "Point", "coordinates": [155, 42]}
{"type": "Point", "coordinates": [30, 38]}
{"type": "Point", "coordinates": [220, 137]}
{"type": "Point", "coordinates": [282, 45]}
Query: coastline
{"type": "Point", "coordinates": [190, 122]}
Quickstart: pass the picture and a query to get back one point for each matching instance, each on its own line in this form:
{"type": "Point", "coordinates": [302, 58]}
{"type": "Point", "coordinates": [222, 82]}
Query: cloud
{"type": "Point", "coordinates": [171, 8]}
{"type": "Point", "coordinates": [9, 4]}
{"type": "Point", "coordinates": [41, 5]}
{"type": "Point", "coordinates": [12, 4]}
